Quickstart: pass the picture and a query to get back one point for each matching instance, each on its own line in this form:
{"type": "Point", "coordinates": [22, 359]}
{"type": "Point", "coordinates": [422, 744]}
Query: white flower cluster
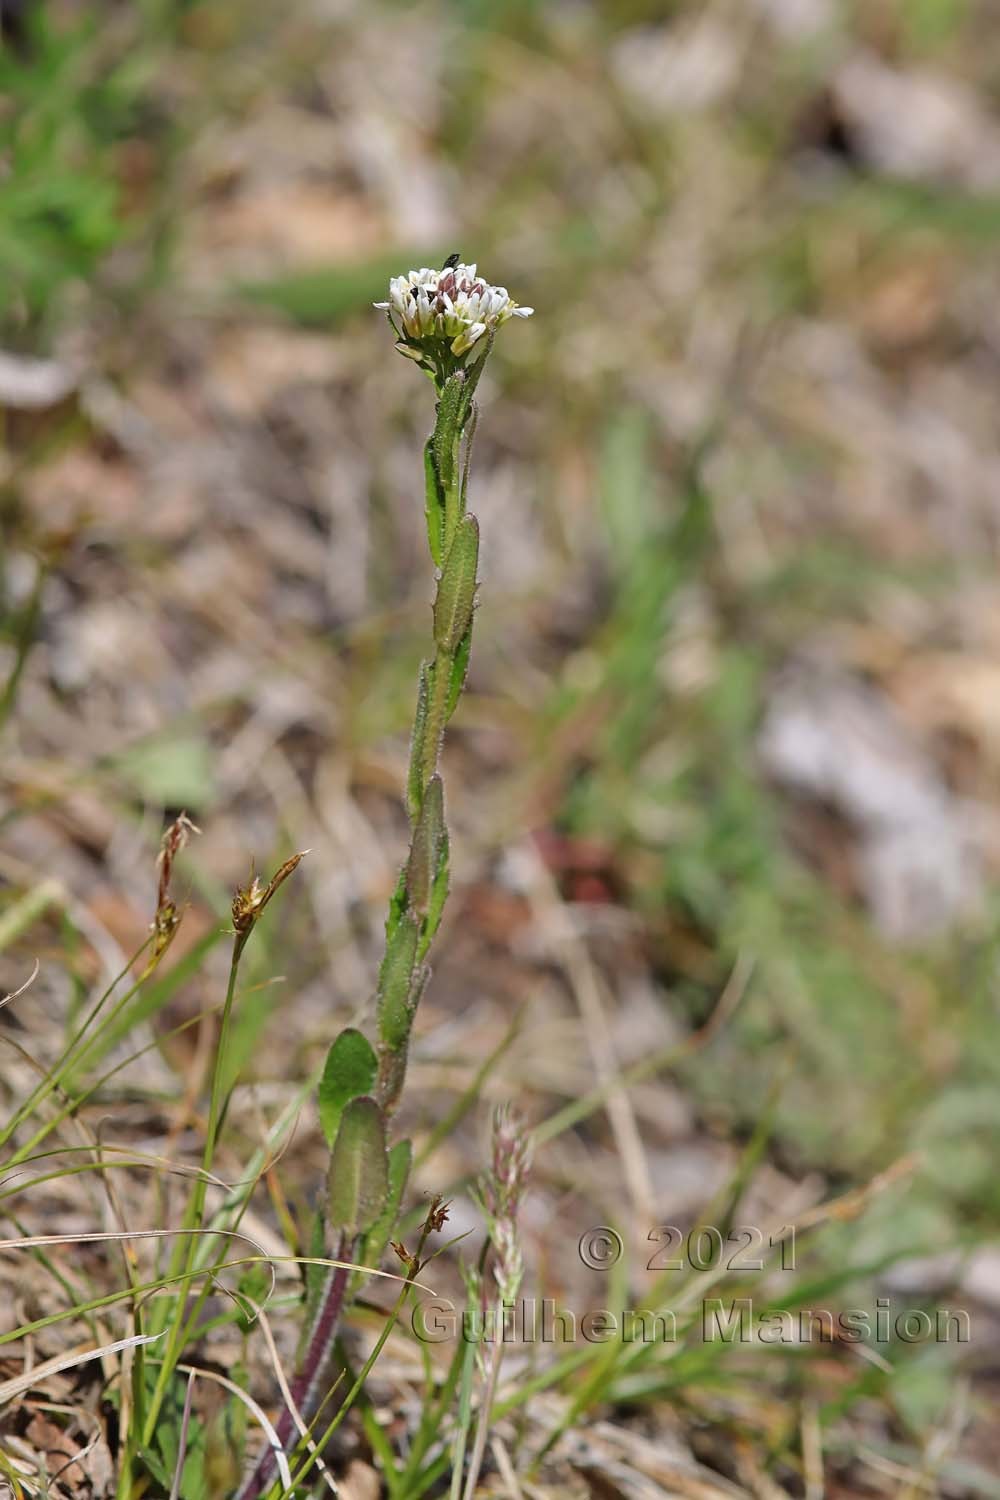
{"type": "Point", "coordinates": [454, 304]}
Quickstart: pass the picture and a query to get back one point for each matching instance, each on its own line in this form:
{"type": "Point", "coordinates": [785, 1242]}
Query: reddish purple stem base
{"type": "Point", "coordinates": [304, 1388]}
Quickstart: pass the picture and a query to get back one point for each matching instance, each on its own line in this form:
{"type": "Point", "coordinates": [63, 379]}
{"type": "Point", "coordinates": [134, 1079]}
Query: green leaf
{"type": "Point", "coordinates": [451, 412]}
{"type": "Point", "coordinates": [456, 591]}
{"type": "Point", "coordinates": [434, 506]}
{"type": "Point", "coordinates": [473, 371]}
{"type": "Point", "coordinates": [393, 1011]}
{"type": "Point", "coordinates": [439, 895]}
{"type": "Point", "coordinates": [459, 671]}
{"type": "Point", "coordinates": [415, 778]}
{"type": "Point", "coordinates": [392, 1059]}
{"type": "Point", "coordinates": [254, 1284]}
{"type": "Point", "coordinates": [358, 1184]}
{"type": "Point", "coordinates": [400, 1162]}
{"type": "Point", "coordinates": [467, 461]}
{"type": "Point", "coordinates": [350, 1071]}
{"type": "Point", "coordinates": [175, 772]}
{"type": "Point", "coordinates": [397, 906]}
{"type": "Point", "coordinates": [425, 849]}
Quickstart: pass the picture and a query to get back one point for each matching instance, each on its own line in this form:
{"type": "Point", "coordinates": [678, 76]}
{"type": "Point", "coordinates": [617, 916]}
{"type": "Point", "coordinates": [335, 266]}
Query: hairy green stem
{"type": "Point", "coordinates": [437, 710]}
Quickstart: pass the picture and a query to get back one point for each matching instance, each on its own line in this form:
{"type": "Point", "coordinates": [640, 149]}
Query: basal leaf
{"type": "Point", "coordinates": [350, 1071]}
{"type": "Point", "coordinates": [359, 1169]}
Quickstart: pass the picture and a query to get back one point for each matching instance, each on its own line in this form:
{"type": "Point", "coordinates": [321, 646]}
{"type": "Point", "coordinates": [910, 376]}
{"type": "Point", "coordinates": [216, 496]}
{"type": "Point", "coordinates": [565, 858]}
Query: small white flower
{"type": "Point", "coordinates": [454, 306]}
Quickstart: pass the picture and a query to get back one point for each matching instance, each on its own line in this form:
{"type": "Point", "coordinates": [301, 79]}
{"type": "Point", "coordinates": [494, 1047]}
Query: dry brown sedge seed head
{"type": "Point", "coordinates": [175, 838]}
{"type": "Point", "coordinates": [167, 918]}
{"type": "Point", "coordinates": [249, 900]}
{"type": "Point", "coordinates": [246, 904]}
{"type": "Point", "coordinates": [437, 1216]}
{"type": "Point", "coordinates": [165, 924]}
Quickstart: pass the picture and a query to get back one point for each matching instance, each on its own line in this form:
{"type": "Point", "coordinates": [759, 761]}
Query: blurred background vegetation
{"type": "Point", "coordinates": [735, 692]}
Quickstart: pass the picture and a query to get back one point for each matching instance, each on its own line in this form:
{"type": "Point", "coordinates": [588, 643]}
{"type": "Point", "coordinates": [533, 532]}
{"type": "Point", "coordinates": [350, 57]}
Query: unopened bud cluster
{"type": "Point", "coordinates": [453, 307]}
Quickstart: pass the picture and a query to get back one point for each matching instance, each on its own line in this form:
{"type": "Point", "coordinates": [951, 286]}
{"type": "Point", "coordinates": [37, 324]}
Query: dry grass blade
{"type": "Point", "coordinates": [13, 994]}
{"type": "Point", "coordinates": [20, 1383]}
{"type": "Point", "coordinates": [505, 1468]}
{"type": "Point", "coordinates": [646, 1470]}
{"type": "Point", "coordinates": [182, 1439]}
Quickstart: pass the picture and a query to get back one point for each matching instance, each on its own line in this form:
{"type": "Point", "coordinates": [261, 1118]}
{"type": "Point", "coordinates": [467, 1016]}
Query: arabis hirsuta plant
{"type": "Point", "coordinates": [446, 321]}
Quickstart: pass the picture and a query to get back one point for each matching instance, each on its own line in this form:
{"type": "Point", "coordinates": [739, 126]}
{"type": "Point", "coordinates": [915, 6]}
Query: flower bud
{"type": "Point", "coordinates": [444, 313]}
